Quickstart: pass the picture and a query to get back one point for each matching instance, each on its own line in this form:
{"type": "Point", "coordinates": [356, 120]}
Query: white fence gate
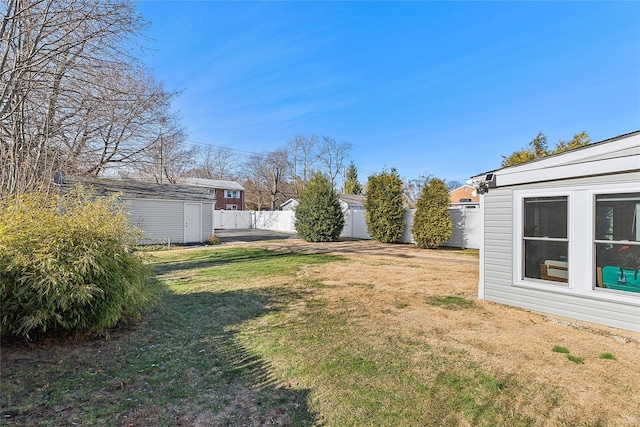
{"type": "Point", "coordinates": [232, 220]}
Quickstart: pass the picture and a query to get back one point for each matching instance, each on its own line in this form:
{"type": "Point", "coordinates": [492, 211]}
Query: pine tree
{"type": "Point", "coordinates": [384, 207]}
{"type": "Point", "coordinates": [431, 222]}
{"type": "Point", "coordinates": [351, 184]}
{"type": "Point", "coordinates": [319, 217]}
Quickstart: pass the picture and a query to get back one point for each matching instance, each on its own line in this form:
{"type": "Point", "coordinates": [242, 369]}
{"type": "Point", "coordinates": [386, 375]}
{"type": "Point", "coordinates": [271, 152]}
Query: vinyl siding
{"type": "Point", "coordinates": [163, 220]}
{"type": "Point", "coordinates": [498, 263]}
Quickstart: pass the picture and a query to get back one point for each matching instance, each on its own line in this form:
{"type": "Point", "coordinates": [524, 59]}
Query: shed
{"type": "Point", "coordinates": [561, 235]}
{"type": "Point", "coordinates": [347, 202]}
{"type": "Point", "coordinates": [164, 212]}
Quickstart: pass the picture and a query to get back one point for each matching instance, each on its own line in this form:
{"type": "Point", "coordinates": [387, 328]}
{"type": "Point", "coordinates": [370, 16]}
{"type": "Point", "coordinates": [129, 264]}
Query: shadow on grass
{"type": "Point", "coordinates": [208, 258]}
{"type": "Point", "coordinates": [185, 364]}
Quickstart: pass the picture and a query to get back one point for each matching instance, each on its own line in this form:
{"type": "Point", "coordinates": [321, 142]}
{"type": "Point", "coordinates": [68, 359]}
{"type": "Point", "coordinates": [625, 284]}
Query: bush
{"type": "Point", "coordinates": [384, 207]}
{"type": "Point", "coordinates": [431, 222]}
{"type": "Point", "coordinates": [68, 265]}
{"type": "Point", "coordinates": [213, 239]}
{"type": "Point", "coordinates": [319, 217]}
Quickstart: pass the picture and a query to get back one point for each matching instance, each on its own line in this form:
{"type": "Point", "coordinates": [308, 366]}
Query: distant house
{"type": "Point", "coordinates": [164, 212]}
{"type": "Point", "coordinates": [347, 202]}
{"type": "Point", "coordinates": [229, 195]}
{"type": "Point", "coordinates": [464, 194]}
{"type": "Point", "coordinates": [561, 235]}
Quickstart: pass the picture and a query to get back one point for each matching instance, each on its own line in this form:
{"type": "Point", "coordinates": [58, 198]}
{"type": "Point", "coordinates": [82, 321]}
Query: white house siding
{"type": "Point", "coordinates": [498, 258]}
{"type": "Point", "coordinates": [162, 221]}
{"type": "Point", "coordinates": [207, 220]}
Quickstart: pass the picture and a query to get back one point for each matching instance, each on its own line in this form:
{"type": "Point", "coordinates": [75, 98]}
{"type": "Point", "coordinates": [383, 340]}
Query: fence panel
{"type": "Point", "coordinates": [232, 220]}
{"type": "Point", "coordinates": [275, 220]}
{"type": "Point", "coordinates": [466, 224]}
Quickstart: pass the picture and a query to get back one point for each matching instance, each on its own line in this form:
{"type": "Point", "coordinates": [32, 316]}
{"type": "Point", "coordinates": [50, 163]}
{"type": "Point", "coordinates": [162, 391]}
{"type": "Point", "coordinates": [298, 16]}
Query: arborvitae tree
{"type": "Point", "coordinates": [319, 217]}
{"type": "Point", "coordinates": [431, 221]}
{"type": "Point", "coordinates": [351, 184]}
{"type": "Point", "coordinates": [384, 207]}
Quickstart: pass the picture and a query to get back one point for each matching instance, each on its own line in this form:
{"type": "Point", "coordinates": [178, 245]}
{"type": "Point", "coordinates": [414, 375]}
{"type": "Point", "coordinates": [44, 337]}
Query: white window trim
{"type": "Point", "coordinates": [581, 274]}
{"type": "Point", "coordinates": [594, 290]}
{"type": "Point", "coordinates": [518, 238]}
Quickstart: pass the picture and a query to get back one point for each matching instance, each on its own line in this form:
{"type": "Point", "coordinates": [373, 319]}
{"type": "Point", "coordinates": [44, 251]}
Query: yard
{"type": "Point", "coordinates": [347, 333]}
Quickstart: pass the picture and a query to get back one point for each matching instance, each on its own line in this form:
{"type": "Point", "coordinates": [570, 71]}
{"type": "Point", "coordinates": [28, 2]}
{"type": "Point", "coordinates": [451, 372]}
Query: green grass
{"type": "Point", "coordinates": [607, 356]}
{"type": "Point", "coordinates": [450, 302]}
{"type": "Point", "coordinates": [574, 359]}
{"type": "Point", "coordinates": [560, 349]}
{"type": "Point", "coordinates": [243, 338]}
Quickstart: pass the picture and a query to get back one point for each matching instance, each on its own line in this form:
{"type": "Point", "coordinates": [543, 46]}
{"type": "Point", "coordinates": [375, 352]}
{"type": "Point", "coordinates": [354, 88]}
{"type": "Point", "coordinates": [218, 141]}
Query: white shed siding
{"type": "Point", "coordinates": [207, 220]}
{"type": "Point", "coordinates": [163, 220]}
{"type": "Point", "coordinates": [498, 262]}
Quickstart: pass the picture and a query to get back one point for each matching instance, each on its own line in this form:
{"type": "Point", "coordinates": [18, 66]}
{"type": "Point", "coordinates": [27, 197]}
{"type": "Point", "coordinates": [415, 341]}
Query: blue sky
{"type": "Point", "coordinates": [426, 87]}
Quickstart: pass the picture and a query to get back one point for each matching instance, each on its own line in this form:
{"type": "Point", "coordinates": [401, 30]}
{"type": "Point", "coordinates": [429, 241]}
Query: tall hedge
{"type": "Point", "coordinates": [68, 265]}
{"type": "Point", "coordinates": [431, 222]}
{"type": "Point", "coordinates": [384, 207]}
{"type": "Point", "coordinates": [319, 217]}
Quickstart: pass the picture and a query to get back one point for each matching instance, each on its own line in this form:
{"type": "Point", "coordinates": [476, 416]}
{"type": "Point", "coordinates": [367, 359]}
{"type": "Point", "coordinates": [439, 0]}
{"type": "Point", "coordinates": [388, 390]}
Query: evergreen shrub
{"type": "Point", "coordinates": [384, 207]}
{"type": "Point", "coordinates": [319, 217]}
{"type": "Point", "coordinates": [68, 265]}
{"type": "Point", "coordinates": [431, 221]}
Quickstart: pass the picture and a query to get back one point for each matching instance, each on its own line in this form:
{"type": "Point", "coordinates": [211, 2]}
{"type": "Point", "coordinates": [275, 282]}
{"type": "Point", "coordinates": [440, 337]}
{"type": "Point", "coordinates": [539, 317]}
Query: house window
{"type": "Point", "coordinates": [231, 194]}
{"type": "Point", "coordinates": [231, 207]}
{"type": "Point", "coordinates": [545, 242]}
{"type": "Point", "coordinates": [617, 241]}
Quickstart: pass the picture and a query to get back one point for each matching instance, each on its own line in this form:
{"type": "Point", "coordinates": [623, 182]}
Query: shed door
{"type": "Point", "coordinates": [192, 223]}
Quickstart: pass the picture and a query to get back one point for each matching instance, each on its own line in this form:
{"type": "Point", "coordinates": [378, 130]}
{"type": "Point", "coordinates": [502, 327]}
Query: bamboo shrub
{"type": "Point", "coordinates": [68, 265]}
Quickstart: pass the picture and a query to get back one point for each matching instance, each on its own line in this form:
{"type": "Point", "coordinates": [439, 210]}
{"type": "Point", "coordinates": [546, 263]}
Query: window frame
{"type": "Point", "coordinates": [519, 240]}
{"type": "Point", "coordinates": [231, 194]}
{"type": "Point", "coordinates": [602, 291]}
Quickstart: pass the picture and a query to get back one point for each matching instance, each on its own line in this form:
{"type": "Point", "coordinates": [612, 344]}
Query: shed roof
{"type": "Point", "coordinates": [131, 189]}
{"type": "Point", "coordinates": [352, 199]}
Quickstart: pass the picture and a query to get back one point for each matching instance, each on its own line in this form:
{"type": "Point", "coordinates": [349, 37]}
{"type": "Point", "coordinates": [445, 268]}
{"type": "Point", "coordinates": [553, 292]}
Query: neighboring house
{"type": "Point", "coordinates": [347, 202]}
{"type": "Point", "coordinates": [166, 213]}
{"type": "Point", "coordinates": [229, 195]}
{"type": "Point", "coordinates": [464, 194]}
{"type": "Point", "coordinates": [562, 234]}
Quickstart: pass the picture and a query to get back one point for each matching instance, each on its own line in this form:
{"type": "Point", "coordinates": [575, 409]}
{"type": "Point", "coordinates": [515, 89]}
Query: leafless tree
{"type": "Point", "coordinates": [267, 174]}
{"type": "Point", "coordinates": [168, 158]}
{"type": "Point", "coordinates": [72, 96]}
{"type": "Point", "coordinates": [216, 163]}
{"type": "Point", "coordinates": [124, 121]}
{"type": "Point", "coordinates": [333, 155]}
{"type": "Point", "coordinates": [413, 189]}
{"type": "Point", "coordinates": [303, 159]}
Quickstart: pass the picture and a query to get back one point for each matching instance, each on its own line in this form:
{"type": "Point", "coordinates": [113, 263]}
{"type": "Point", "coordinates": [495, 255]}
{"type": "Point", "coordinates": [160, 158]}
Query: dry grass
{"type": "Point", "coordinates": [396, 283]}
{"type": "Point", "coordinates": [389, 335]}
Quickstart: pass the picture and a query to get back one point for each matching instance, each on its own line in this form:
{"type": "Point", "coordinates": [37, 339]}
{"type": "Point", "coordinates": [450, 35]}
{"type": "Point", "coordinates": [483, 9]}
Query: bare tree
{"type": "Point", "coordinates": [267, 175]}
{"type": "Point", "coordinates": [168, 158]}
{"type": "Point", "coordinates": [303, 158]}
{"type": "Point", "coordinates": [71, 96]}
{"type": "Point", "coordinates": [119, 123]}
{"type": "Point", "coordinates": [216, 163]}
{"type": "Point", "coordinates": [333, 155]}
{"type": "Point", "coordinates": [413, 187]}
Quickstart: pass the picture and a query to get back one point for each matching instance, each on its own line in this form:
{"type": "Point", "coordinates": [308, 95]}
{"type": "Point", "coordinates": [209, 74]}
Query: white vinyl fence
{"type": "Point", "coordinates": [467, 223]}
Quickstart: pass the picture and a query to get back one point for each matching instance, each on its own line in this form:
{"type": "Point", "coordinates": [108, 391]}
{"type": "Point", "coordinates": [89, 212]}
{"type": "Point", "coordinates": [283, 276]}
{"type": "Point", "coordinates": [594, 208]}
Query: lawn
{"type": "Point", "coordinates": [328, 334]}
